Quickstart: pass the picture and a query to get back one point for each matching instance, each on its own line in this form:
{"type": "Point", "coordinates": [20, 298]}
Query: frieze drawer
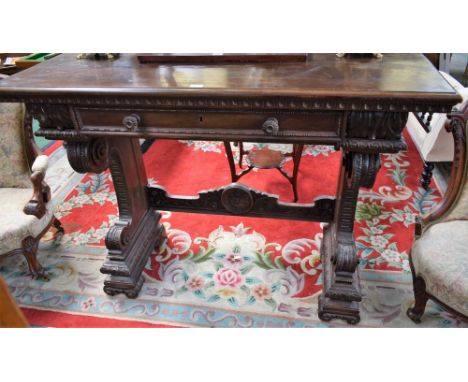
{"type": "Point", "coordinates": [318, 126]}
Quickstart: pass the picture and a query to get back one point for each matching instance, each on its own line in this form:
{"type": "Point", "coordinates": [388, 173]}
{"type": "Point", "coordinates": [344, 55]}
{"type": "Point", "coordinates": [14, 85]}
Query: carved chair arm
{"type": "Point", "coordinates": [41, 191]}
{"type": "Point", "coordinates": [457, 124]}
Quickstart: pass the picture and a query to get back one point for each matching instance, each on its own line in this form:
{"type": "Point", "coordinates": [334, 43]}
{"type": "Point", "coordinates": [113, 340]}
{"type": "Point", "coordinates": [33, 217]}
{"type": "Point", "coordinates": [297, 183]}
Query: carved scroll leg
{"type": "Point", "coordinates": [29, 249]}
{"type": "Point", "coordinates": [137, 232]}
{"type": "Point", "coordinates": [341, 281]}
{"type": "Point", "coordinates": [420, 296]}
{"type": "Point", "coordinates": [58, 226]}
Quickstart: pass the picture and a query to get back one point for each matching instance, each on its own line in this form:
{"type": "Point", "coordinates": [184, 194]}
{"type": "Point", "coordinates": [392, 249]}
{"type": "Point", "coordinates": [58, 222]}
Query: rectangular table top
{"type": "Point", "coordinates": [401, 77]}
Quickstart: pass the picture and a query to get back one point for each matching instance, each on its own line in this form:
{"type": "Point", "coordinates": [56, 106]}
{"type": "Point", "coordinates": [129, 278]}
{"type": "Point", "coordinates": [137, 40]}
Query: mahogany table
{"type": "Point", "coordinates": [102, 108]}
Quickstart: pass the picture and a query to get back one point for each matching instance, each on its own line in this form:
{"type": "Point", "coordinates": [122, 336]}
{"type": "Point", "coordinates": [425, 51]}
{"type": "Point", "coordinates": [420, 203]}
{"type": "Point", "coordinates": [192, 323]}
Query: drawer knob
{"type": "Point", "coordinates": [131, 121]}
{"type": "Point", "coordinates": [271, 126]}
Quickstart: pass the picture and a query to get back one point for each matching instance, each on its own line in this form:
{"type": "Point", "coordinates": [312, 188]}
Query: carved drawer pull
{"type": "Point", "coordinates": [131, 121]}
{"type": "Point", "coordinates": [271, 126]}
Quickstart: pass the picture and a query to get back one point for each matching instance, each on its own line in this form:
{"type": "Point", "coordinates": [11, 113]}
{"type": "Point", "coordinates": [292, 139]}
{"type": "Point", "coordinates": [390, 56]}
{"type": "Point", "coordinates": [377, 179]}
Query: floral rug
{"type": "Point", "coordinates": [227, 271]}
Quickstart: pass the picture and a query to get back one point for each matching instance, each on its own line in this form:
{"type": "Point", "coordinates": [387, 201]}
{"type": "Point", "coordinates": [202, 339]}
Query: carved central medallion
{"type": "Point", "coordinates": [236, 198]}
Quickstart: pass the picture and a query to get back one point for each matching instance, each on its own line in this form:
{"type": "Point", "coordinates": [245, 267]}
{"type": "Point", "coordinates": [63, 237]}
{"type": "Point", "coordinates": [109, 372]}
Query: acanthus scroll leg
{"type": "Point", "coordinates": [137, 232]}
{"type": "Point", "coordinates": [341, 295]}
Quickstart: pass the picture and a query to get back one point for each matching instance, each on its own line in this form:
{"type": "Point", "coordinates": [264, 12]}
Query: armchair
{"type": "Point", "coordinates": [439, 256]}
{"type": "Point", "coordinates": [25, 213]}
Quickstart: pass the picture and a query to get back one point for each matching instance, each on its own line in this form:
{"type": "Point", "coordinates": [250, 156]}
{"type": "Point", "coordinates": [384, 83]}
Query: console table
{"type": "Point", "coordinates": [102, 108]}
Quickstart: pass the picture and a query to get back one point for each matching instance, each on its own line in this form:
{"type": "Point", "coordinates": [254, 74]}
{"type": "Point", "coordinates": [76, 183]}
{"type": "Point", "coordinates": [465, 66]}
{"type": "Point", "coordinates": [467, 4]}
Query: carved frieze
{"type": "Point", "coordinates": [238, 103]}
{"type": "Point", "coordinates": [374, 146]}
{"type": "Point", "coordinates": [376, 125]}
{"type": "Point", "coordinates": [53, 116]}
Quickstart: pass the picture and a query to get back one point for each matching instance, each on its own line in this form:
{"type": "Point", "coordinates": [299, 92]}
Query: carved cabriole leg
{"type": "Point", "coordinates": [58, 225]}
{"type": "Point", "coordinates": [137, 232]}
{"type": "Point", "coordinates": [420, 300]}
{"type": "Point", "coordinates": [29, 249]}
{"type": "Point", "coordinates": [420, 296]}
{"type": "Point", "coordinates": [426, 175]}
{"type": "Point", "coordinates": [341, 283]}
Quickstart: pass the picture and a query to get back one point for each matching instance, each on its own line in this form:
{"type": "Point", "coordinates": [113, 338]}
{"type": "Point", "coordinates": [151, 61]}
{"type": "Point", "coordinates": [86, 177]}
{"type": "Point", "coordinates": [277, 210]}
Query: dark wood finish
{"type": "Point", "coordinates": [224, 58]}
{"type": "Point", "coordinates": [11, 315]}
{"type": "Point", "coordinates": [345, 306]}
{"type": "Point", "coordinates": [425, 120]}
{"type": "Point", "coordinates": [426, 175]}
{"type": "Point", "coordinates": [341, 283]}
{"type": "Point", "coordinates": [101, 108]}
{"type": "Point", "coordinates": [457, 124]}
{"type": "Point", "coordinates": [241, 200]}
{"type": "Point", "coordinates": [397, 82]}
{"type": "Point", "coordinates": [137, 232]}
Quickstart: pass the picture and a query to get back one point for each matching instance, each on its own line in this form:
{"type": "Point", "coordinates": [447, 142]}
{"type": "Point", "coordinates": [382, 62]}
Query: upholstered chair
{"type": "Point", "coordinates": [439, 256]}
{"type": "Point", "coordinates": [26, 208]}
{"type": "Point", "coordinates": [427, 131]}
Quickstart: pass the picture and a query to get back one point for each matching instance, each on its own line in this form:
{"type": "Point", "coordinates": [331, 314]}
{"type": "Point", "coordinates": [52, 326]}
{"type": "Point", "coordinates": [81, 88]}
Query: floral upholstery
{"type": "Point", "coordinates": [15, 182]}
{"type": "Point", "coordinates": [440, 257]}
{"type": "Point", "coordinates": [460, 211]}
{"type": "Point", "coordinates": [14, 170]}
{"type": "Point", "coordinates": [16, 225]}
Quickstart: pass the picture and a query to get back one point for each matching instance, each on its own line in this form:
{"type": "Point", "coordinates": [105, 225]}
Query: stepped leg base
{"type": "Point", "coordinates": [346, 307]}
{"type": "Point", "coordinates": [330, 309]}
{"type": "Point", "coordinates": [126, 273]}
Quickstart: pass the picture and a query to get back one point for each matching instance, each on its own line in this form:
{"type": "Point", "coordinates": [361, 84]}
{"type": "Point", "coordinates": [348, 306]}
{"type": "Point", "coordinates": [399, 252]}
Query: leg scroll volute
{"type": "Point", "coordinates": [88, 156]}
{"type": "Point", "coordinates": [137, 232]}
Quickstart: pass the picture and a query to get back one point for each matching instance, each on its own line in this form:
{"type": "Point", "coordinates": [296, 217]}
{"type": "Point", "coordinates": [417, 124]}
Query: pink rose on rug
{"type": "Point", "coordinates": [228, 277]}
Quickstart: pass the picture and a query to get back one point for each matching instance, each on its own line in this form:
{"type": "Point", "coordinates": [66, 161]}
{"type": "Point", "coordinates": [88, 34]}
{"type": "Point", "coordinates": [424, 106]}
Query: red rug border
{"type": "Point", "coordinates": [42, 317]}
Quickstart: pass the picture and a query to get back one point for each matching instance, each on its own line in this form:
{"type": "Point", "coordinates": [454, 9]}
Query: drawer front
{"type": "Point", "coordinates": [315, 126]}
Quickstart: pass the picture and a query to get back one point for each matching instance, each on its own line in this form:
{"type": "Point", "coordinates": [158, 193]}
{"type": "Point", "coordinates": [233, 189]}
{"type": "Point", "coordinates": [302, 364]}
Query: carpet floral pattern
{"type": "Point", "coordinates": [235, 271]}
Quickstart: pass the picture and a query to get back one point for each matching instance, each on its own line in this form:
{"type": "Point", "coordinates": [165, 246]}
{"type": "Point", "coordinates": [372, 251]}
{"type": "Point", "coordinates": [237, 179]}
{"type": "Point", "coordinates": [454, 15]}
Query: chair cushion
{"type": "Point", "coordinates": [14, 170]}
{"type": "Point", "coordinates": [15, 225]}
{"type": "Point", "coordinates": [460, 207]}
{"type": "Point", "coordinates": [440, 257]}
